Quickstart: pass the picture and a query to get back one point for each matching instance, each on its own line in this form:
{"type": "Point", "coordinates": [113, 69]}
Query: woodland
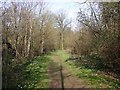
{"type": "Point", "coordinates": [34, 40]}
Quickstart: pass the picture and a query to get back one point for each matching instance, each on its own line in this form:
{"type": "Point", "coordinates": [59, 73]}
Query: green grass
{"type": "Point", "coordinates": [94, 78]}
{"type": "Point", "coordinates": [63, 54]}
{"type": "Point", "coordinates": [35, 73]}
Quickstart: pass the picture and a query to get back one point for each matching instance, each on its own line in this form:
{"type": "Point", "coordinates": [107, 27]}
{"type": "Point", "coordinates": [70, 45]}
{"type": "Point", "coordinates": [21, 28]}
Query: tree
{"type": "Point", "coordinates": [62, 23]}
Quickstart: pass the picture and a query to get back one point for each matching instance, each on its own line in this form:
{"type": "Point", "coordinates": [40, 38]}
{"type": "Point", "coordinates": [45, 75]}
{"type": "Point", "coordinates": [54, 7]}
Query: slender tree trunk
{"type": "Point", "coordinates": [25, 44]}
{"type": "Point", "coordinates": [42, 41]}
{"type": "Point", "coordinates": [62, 40]}
{"type": "Point", "coordinates": [29, 39]}
{"type": "Point", "coordinates": [16, 47]}
{"type": "Point", "coordinates": [29, 43]}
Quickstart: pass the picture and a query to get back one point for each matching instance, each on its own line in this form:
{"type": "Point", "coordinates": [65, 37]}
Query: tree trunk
{"type": "Point", "coordinates": [25, 45]}
{"type": "Point", "coordinates": [62, 41]}
{"type": "Point", "coordinates": [29, 39]}
{"type": "Point", "coordinates": [42, 41]}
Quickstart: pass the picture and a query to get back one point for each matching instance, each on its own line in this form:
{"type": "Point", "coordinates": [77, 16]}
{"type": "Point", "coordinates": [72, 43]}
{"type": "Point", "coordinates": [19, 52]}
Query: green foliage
{"type": "Point", "coordinates": [31, 73]}
{"type": "Point", "coordinates": [35, 74]}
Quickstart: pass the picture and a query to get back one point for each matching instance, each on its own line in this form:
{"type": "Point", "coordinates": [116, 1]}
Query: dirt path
{"type": "Point", "coordinates": [62, 76]}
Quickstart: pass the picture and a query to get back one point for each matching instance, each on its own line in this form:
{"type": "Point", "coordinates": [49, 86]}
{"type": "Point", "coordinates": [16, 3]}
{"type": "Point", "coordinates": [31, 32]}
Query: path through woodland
{"type": "Point", "coordinates": [61, 75]}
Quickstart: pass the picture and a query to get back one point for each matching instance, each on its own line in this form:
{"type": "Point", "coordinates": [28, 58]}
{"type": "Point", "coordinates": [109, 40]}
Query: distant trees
{"type": "Point", "coordinates": [69, 37]}
{"type": "Point", "coordinates": [62, 22]}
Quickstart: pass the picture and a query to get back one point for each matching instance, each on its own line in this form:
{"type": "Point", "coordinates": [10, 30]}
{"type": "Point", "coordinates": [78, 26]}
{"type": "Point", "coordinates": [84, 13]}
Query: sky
{"type": "Point", "coordinates": [70, 8]}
